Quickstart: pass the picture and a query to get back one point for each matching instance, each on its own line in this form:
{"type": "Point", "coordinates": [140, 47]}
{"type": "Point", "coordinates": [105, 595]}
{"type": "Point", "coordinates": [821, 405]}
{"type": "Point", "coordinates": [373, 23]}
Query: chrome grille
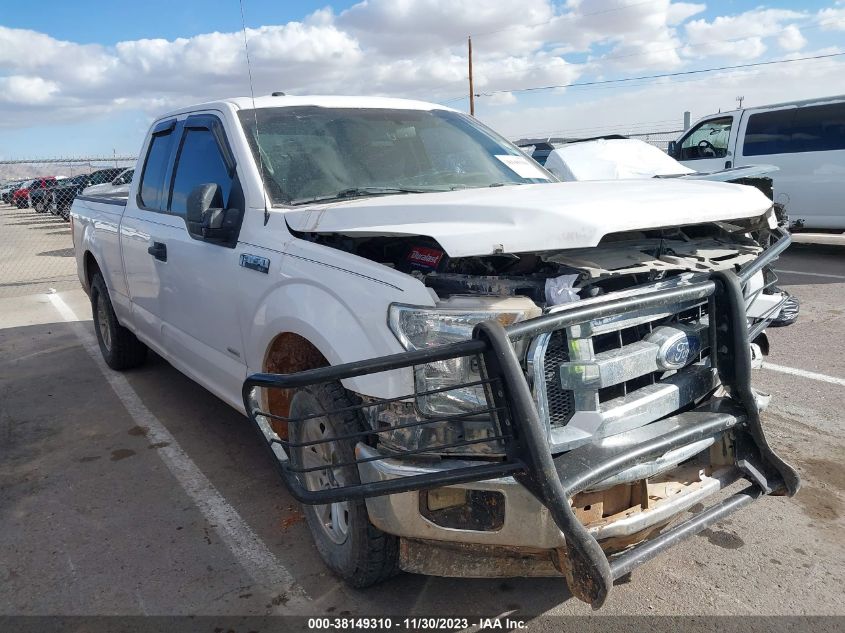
{"type": "Point", "coordinates": [559, 401]}
{"type": "Point", "coordinates": [621, 386]}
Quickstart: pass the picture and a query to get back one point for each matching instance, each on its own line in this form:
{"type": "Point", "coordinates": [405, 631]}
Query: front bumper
{"type": "Point", "coordinates": [538, 485]}
{"type": "Point", "coordinates": [399, 514]}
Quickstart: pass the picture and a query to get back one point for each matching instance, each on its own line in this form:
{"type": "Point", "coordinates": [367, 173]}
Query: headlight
{"type": "Point", "coordinates": [419, 328]}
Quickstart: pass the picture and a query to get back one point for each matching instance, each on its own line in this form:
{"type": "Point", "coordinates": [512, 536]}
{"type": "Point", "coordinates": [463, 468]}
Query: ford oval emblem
{"type": "Point", "coordinates": [676, 347]}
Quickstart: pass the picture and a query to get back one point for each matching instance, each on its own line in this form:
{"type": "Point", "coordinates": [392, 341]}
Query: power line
{"type": "Point", "coordinates": [819, 24]}
{"type": "Point", "coordinates": [633, 82]}
{"type": "Point", "coordinates": [658, 76]}
{"type": "Point", "coordinates": [682, 47]}
{"type": "Point", "coordinates": [643, 127]}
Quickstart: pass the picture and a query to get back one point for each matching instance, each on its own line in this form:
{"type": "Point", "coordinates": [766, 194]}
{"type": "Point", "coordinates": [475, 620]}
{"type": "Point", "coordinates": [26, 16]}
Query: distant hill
{"type": "Point", "coordinates": [20, 171]}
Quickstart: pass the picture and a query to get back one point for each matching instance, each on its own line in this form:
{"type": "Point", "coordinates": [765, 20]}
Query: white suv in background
{"type": "Point", "coordinates": [804, 139]}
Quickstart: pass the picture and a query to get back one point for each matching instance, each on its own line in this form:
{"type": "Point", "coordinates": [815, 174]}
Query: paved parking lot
{"type": "Point", "coordinates": [142, 493]}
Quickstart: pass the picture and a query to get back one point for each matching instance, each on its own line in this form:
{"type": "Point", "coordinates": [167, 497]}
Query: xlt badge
{"type": "Point", "coordinates": [255, 262]}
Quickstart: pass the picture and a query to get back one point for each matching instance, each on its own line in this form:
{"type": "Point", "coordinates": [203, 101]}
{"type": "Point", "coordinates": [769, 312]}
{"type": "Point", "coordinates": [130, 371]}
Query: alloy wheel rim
{"type": "Point", "coordinates": [103, 323]}
{"type": "Point", "coordinates": [333, 517]}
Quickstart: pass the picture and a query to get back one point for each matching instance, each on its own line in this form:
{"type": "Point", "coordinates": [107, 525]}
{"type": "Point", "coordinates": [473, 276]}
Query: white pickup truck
{"type": "Point", "coordinates": [462, 366]}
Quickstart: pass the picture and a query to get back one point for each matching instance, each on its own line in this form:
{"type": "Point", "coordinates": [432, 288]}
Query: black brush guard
{"type": "Point", "coordinates": [522, 435]}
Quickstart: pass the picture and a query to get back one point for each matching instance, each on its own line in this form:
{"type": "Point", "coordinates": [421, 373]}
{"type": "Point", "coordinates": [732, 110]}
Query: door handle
{"type": "Point", "coordinates": [727, 164]}
{"type": "Point", "coordinates": [159, 251]}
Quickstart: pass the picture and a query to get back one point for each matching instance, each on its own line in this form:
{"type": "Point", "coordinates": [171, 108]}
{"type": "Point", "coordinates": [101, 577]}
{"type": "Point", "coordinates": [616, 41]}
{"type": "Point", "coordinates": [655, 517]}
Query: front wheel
{"type": "Point", "coordinates": [119, 347]}
{"type": "Point", "coordinates": [349, 544]}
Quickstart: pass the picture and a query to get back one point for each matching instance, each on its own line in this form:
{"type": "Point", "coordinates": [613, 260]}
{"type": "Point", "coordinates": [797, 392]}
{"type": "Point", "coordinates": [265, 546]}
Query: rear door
{"type": "Point", "coordinates": [807, 144]}
{"type": "Point", "coordinates": [707, 145]}
{"type": "Point", "coordinates": [143, 234]}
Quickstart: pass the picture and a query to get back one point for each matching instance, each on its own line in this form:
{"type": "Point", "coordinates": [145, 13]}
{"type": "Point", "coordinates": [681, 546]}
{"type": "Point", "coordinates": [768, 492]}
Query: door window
{"type": "Point", "coordinates": [794, 130]}
{"type": "Point", "coordinates": [708, 139]}
{"type": "Point", "coordinates": [152, 194]}
{"type": "Point", "coordinates": [200, 161]}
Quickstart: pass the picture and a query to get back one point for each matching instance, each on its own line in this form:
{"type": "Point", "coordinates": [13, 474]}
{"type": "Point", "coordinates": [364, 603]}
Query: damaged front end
{"type": "Point", "coordinates": [601, 394]}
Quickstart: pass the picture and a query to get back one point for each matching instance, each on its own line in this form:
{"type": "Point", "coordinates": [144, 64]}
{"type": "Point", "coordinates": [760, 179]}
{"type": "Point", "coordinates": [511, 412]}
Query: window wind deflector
{"type": "Point", "coordinates": [164, 126]}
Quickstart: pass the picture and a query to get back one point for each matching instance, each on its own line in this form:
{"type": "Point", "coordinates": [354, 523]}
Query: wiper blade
{"type": "Point", "coordinates": [361, 192]}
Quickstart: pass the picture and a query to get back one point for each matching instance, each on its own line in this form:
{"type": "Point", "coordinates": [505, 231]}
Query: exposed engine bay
{"type": "Point", "coordinates": [620, 261]}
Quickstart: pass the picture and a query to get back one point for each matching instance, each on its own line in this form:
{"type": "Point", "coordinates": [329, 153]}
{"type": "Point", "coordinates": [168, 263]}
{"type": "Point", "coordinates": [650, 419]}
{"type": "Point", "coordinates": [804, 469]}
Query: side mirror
{"type": "Point", "coordinates": [205, 215]}
{"type": "Point", "coordinates": [672, 150]}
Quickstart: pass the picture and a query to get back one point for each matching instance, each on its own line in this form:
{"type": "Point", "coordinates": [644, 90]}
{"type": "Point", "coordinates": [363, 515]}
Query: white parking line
{"type": "Point", "coordinates": [801, 272]}
{"type": "Point", "coordinates": [804, 374]}
{"type": "Point", "coordinates": [249, 550]}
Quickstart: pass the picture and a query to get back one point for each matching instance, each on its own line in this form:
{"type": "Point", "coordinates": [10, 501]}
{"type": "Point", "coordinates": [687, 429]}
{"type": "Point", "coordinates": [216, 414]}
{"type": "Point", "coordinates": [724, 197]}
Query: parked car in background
{"type": "Point", "coordinates": [117, 187]}
{"type": "Point", "coordinates": [22, 197]}
{"type": "Point", "coordinates": [621, 158]}
{"type": "Point", "coordinates": [40, 197]}
{"type": "Point", "coordinates": [9, 188]}
{"type": "Point", "coordinates": [538, 150]}
{"type": "Point", "coordinates": [64, 194]}
{"type": "Point", "coordinates": [804, 139]}
{"type": "Point", "coordinates": [460, 365]}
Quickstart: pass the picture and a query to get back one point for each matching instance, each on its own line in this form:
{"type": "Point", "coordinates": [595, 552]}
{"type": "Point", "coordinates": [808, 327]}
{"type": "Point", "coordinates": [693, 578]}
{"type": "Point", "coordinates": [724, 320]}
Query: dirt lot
{"type": "Point", "coordinates": [144, 494]}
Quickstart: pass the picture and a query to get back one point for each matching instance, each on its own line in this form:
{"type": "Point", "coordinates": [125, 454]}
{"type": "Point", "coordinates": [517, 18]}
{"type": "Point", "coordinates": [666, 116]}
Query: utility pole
{"type": "Point", "coordinates": [740, 100]}
{"type": "Point", "coordinates": [471, 95]}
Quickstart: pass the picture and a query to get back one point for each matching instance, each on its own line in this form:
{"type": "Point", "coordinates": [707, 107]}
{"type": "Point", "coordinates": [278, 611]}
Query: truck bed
{"type": "Point", "coordinates": [104, 199]}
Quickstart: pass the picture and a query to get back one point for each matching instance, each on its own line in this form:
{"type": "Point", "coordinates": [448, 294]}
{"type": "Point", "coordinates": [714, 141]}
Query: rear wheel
{"type": "Point", "coordinates": [120, 347]}
{"type": "Point", "coordinates": [349, 544]}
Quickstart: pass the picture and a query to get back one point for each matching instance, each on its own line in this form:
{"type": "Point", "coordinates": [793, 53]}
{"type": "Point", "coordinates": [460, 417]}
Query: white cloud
{"type": "Point", "coordinates": [681, 11]}
{"type": "Point", "coordinates": [502, 99]}
{"type": "Point", "coordinates": [657, 107]}
{"type": "Point", "coordinates": [832, 19]}
{"type": "Point", "coordinates": [791, 39]}
{"type": "Point", "coordinates": [739, 36]}
{"type": "Point", "coordinates": [413, 48]}
{"type": "Point", "coordinates": [26, 90]}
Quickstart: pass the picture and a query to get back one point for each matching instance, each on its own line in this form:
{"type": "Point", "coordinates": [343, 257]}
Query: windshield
{"type": "Point", "coordinates": [78, 180]}
{"type": "Point", "coordinates": [310, 153]}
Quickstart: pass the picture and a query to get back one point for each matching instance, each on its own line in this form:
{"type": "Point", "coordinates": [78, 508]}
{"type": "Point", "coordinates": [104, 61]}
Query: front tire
{"type": "Point", "coordinates": [120, 347]}
{"type": "Point", "coordinates": [349, 544]}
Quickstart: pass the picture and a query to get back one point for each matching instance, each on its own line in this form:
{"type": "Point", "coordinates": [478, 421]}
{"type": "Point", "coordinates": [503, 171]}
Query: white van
{"type": "Point", "coordinates": [805, 139]}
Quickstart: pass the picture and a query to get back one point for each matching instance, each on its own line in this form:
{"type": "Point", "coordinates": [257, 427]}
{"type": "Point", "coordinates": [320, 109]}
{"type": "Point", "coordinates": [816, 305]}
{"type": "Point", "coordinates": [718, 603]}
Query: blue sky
{"type": "Point", "coordinates": [94, 21]}
{"type": "Point", "coordinates": [84, 77]}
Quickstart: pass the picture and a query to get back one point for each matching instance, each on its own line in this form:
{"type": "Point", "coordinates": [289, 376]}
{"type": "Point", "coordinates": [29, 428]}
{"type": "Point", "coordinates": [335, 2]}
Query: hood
{"type": "Point", "coordinates": [734, 173]}
{"type": "Point", "coordinates": [539, 217]}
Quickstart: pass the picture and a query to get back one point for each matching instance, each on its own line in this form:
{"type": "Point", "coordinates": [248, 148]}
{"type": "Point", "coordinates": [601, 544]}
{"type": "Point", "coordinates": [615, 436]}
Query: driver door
{"type": "Point", "coordinates": [708, 146]}
{"type": "Point", "coordinates": [200, 280]}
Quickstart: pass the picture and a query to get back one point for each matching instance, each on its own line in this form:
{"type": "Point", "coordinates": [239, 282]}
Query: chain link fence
{"type": "Point", "coordinates": [35, 199]}
{"type": "Point", "coordinates": [658, 138]}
